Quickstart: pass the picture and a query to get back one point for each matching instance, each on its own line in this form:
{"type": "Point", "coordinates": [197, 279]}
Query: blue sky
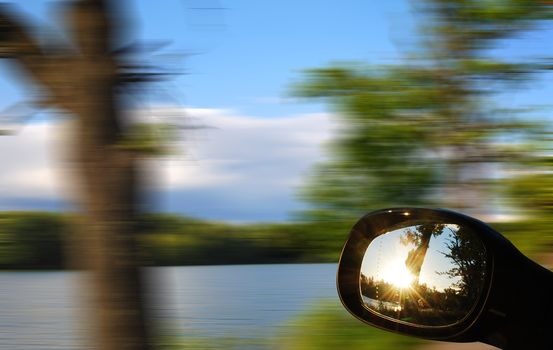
{"type": "Point", "coordinates": [239, 59]}
{"type": "Point", "coordinates": [247, 53]}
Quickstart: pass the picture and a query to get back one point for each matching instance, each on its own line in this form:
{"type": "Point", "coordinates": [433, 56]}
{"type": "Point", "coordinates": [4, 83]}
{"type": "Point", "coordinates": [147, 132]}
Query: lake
{"type": "Point", "coordinates": [41, 310]}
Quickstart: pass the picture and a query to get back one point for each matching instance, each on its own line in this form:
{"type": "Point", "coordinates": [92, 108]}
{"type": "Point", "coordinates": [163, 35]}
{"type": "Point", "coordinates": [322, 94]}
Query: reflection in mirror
{"type": "Point", "coordinates": [427, 274]}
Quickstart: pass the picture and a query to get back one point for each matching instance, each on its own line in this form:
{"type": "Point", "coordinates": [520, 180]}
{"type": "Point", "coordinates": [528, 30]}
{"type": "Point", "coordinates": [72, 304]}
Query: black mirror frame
{"type": "Point", "coordinates": [500, 317]}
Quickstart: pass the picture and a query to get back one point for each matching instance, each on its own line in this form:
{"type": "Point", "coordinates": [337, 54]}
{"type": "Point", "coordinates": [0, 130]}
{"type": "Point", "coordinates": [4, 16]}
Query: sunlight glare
{"type": "Point", "coordinates": [397, 274]}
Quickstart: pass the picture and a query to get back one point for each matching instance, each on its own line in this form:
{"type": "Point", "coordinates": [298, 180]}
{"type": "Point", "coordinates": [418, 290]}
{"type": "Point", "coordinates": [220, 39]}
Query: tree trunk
{"type": "Point", "coordinates": [83, 79]}
{"type": "Point", "coordinates": [109, 198]}
{"type": "Point", "coordinates": [110, 187]}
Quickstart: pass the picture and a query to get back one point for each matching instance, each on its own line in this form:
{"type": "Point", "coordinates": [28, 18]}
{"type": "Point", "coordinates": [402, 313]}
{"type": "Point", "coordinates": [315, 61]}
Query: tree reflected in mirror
{"type": "Point", "coordinates": [428, 274]}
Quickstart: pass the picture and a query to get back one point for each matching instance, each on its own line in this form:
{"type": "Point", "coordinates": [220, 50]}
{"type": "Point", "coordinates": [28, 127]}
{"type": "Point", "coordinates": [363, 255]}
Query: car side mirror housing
{"type": "Point", "coordinates": [441, 275]}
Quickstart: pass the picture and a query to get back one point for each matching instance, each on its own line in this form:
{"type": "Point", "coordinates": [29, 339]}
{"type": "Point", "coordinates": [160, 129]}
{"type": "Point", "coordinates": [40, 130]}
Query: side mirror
{"type": "Point", "coordinates": [441, 275]}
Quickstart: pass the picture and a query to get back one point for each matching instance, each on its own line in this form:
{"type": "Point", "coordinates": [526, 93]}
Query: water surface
{"type": "Point", "coordinates": [41, 310]}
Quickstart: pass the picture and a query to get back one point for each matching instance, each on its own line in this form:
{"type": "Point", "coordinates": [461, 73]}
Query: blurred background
{"type": "Point", "coordinates": [183, 174]}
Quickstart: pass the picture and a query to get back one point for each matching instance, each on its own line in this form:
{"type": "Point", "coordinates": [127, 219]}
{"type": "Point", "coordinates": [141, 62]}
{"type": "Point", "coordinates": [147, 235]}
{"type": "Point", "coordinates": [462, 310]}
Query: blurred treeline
{"type": "Point", "coordinates": [35, 240]}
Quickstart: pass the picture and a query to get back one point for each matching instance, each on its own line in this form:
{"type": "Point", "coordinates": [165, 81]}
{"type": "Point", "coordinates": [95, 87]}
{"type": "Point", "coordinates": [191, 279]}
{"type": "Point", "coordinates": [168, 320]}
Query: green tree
{"type": "Point", "coordinates": [423, 132]}
{"type": "Point", "coordinates": [468, 257]}
{"type": "Point", "coordinates": [31, 240]}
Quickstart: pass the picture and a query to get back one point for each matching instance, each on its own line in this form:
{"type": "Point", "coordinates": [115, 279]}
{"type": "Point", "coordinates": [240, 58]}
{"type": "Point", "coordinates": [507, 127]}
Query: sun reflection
{"type": "Point", "coordinates": [396, 273]}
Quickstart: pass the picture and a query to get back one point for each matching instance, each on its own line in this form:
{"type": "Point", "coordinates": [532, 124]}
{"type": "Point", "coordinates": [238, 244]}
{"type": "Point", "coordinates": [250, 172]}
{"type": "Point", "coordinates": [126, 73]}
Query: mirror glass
{"type": "Point", "coordinates": [426, 274]}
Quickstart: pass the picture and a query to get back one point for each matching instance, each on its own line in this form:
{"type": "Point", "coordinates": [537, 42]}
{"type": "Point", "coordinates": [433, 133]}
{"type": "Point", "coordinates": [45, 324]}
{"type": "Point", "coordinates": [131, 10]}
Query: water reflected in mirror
{"type": "Point", "coordinates": [428, 274]}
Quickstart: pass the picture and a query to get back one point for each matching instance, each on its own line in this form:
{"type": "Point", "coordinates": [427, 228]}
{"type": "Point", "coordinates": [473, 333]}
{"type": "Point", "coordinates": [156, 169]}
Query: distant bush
{"type": "Point", "coordinates": [35, 240]}
{"type": "Point", "coordinates": [32, 240]}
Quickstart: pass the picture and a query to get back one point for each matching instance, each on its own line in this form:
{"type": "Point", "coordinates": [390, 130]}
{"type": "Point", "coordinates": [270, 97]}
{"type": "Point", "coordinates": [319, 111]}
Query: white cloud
{"type": "Point", "coordinates": [234, 154]}
{"type": "Point", "coordinates": [242, 150]}
{"type": "Point", "coordinates": [174, 173]}
{"type": "Point", "coordinates": [28, 168]}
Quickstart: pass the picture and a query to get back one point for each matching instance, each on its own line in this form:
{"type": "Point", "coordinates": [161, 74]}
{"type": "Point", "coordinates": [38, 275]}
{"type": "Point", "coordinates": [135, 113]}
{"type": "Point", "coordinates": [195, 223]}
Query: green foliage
{"type": "Point", "coordinates": [422, 132]}
{"type": "Point", "coordinates": [34, 240]}
{"type": "Point", "coordinates": [470, 25]}
{"type": "Point", "coordinates": [329, 327]}
{"type": "Point", "coordinates": [31, 240]}
{"type": "Point", "coordinates": [406, 132]}
{"type": "Point", "coordinates": [529, 188]}
{"type": "Point", "coordinates": [170, 240]}
{"type": "Point", "coordinates": [532, 193]}
{"type": "Point", "coordinates": [532, 237]}
{"type": "Point", "coordinates": [149, 139]}
{"type": "Point", "coordinates": [379, 154]}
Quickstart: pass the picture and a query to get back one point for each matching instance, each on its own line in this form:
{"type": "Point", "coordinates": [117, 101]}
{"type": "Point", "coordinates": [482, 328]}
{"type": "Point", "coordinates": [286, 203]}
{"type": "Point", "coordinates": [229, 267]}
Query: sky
{"type": "Point", "coordinates": [386, 256]}
{"type": "Point", "coordinates": [236, 62]}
